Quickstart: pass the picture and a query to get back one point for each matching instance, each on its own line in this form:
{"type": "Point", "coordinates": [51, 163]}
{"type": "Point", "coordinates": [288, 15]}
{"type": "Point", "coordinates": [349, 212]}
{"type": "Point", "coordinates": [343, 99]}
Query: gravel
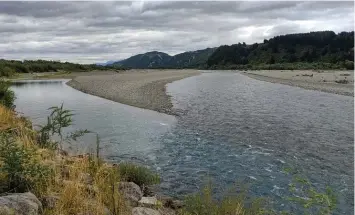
{"type": "Point", "coordinates": [139, 88]}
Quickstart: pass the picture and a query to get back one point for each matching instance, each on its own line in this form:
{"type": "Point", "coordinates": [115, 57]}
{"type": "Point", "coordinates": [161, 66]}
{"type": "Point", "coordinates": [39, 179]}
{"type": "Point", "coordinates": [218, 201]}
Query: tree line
{"type": "Point", "coordinates": [314, 50]}
{"type": "Point", "coordinates": [10, 67]}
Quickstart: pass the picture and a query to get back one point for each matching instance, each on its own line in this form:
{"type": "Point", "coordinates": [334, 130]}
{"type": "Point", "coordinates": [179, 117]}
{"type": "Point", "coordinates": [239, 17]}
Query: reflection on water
{"type": "Point", "coordinates": [125, 131]}
{"type": "Point", "coordinates": [232, 128]}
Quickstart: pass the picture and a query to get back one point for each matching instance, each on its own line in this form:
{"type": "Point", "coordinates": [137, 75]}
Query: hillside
{"type": "Point", "coordinates": [193, 59]}
{"type": "Point", "coordinates": [324, 48]}
{"type": "Point", "coordinates": [314, 50]}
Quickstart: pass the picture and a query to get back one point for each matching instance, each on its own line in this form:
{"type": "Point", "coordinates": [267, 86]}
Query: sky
{"type": "Point", "coordinates": [91, 32]}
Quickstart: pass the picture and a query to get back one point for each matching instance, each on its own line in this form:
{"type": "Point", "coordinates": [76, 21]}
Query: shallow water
{"type": "Point", "coordinates": [231, 128]}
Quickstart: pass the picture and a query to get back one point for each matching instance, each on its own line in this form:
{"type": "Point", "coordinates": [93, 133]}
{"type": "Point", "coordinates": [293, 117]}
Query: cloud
{"type": "Point", "coordinates": [89, 32]}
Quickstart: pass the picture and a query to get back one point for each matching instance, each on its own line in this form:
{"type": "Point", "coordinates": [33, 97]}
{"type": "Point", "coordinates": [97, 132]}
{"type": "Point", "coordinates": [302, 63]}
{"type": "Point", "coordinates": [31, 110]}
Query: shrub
{"type": "Point", "coordinates": [7, 96]}
{"type": "Point", "coordinates": [20, 166]}
{"type": "Point", "coordinates": [349, 65]}
{"type": "Point", "coordinates": [6, 71]}
{"type": "Point", "coordinates": [310, 199]}
{"type": "Point", "coordinates": [59, 119]}
{"type": "Point", "coordinates": [140, 175]}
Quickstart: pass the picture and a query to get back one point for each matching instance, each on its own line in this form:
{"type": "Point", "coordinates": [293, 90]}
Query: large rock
{"type": "Point", "coordinates": [144, 211]}
{"type": "Point", "coordinates": [131, 192]}
{"type": "Point", "coordinates": [149, 202]}
{"type": "Point", "coordinates": [20, 204]}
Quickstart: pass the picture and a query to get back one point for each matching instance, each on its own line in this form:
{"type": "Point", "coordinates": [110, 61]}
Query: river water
{"type": "Point", "coordinates": [231, 128]}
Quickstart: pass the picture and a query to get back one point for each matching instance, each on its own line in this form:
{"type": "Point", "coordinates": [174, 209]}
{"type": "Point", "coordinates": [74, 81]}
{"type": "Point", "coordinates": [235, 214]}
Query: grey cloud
{"type": "Point", "coordinates": [98, 31]}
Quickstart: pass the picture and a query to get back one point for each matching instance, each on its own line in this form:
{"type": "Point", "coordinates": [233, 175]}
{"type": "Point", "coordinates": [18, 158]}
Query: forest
{"type": "Point", "coordinates": [314, 50]}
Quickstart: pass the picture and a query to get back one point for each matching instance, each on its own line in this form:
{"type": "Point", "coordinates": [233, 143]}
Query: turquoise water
{"type": "Point", "coordinates": [230, 128]}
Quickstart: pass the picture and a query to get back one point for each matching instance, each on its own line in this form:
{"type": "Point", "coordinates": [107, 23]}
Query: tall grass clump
{"type": "Point", "coordinates": [140, 175]}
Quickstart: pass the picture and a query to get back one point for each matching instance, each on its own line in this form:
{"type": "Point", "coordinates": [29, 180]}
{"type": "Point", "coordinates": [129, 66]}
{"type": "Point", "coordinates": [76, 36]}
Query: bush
{"type": "Point", "coordinates": [6, 71]}
{"type": "Point", "coordinates": [349, 65]}
{"type": "Point", "coordinates": [20, 167]}
{"type": "Point", "coordinates": [7, 96]}
{"type": "Point", "coordinates": [140, 175]}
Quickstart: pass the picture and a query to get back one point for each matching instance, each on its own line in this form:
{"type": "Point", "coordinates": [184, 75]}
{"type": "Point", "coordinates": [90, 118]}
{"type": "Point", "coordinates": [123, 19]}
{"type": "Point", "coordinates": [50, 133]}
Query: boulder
{"type": "Point", "coordinates": [131, 192]}
{"type": "Point", "coordinates": [144, 211]}
{"type": "Point", "coordinates": [149, 202]}
{"type": "Point", "coordinates": [20, 204]}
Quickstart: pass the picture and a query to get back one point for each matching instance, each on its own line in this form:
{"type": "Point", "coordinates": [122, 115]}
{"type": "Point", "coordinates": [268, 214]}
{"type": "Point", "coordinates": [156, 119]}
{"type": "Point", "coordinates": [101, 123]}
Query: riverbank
{"type": "Point", "coordinates": [337, 82]}
{"type": "Point", "coordinates": [139, 88]}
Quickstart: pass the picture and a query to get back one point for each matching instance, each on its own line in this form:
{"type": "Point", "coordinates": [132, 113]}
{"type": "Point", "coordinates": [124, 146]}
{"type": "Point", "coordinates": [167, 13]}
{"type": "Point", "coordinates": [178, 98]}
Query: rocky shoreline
{"type": "Point", "coordinates": [141, 200]}
{"type": "Point", "coordinates": [138, 88]}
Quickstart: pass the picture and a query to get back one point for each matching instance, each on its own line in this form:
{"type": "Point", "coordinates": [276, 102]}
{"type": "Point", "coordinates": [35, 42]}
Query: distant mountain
{"type": "Point", "coordinates": [107, 63]}
{"type": "Point", "coordinates": [157, 59]}
{"type": "Point", "coordinates": [193, 59]}
{"type": "Point", "coordinates": [152, 59]}
{"type": "Point", "coordinates": [322, 49]}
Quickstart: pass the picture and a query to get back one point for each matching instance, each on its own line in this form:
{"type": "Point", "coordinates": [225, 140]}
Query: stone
{"type": "Point", "coordinates": [149, 202]}
{"type": "Point", "coordinates": [144, 211]}
{"type": "Point", "coordinates": [20, 204]}
{"type": "Point", "coordinates": [131, 192]}
{"type": "Point", "coordinates": [50, 201]}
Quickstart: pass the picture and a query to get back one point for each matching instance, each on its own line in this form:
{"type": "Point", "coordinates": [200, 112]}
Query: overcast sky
{"type": "Point", "coordinates": [89, 32]}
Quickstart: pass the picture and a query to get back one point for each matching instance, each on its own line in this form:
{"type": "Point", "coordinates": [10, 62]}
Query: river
{"type": "Point", "coordinates": [230, 128]}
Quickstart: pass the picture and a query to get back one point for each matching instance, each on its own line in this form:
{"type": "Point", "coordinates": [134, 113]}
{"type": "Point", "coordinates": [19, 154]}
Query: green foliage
{"type": "Point", "coordinates": [9, 67]}
{"type": "Point", "coordinates": [203, 203]}
{"type": "Point", "coordinates": [140, 175]}
{"type": "Point", "coordinates": [311, 200]}
{"type": "Point", "coordinates": [314, 50]}
{"type": "Point", "coordinates": [57, 121]}
{"type": "Point", "coordinates": [6, 71]}
{"type": "Point", "coordinates": [349, 65]}
{"type": "Point", "coordinates": [20, 167]}
{"type": "Point", "coordinates": [7, 96]}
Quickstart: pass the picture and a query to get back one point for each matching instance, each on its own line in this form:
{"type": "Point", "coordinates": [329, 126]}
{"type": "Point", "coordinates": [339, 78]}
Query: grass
{"type": "Point", "coordinates": [23, 157]}
{"type": "Point", "coordinates": [140, 175]}
{"type": "Point", "coordinates": [203, 203]}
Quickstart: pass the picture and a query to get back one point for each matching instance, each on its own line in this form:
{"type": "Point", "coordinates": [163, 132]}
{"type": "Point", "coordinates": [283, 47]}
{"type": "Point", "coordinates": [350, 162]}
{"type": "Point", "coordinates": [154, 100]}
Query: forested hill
{"type": "Point", "coordinates": [323, 49]}
{"type": "Point", "coordinates": [154, 60]}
